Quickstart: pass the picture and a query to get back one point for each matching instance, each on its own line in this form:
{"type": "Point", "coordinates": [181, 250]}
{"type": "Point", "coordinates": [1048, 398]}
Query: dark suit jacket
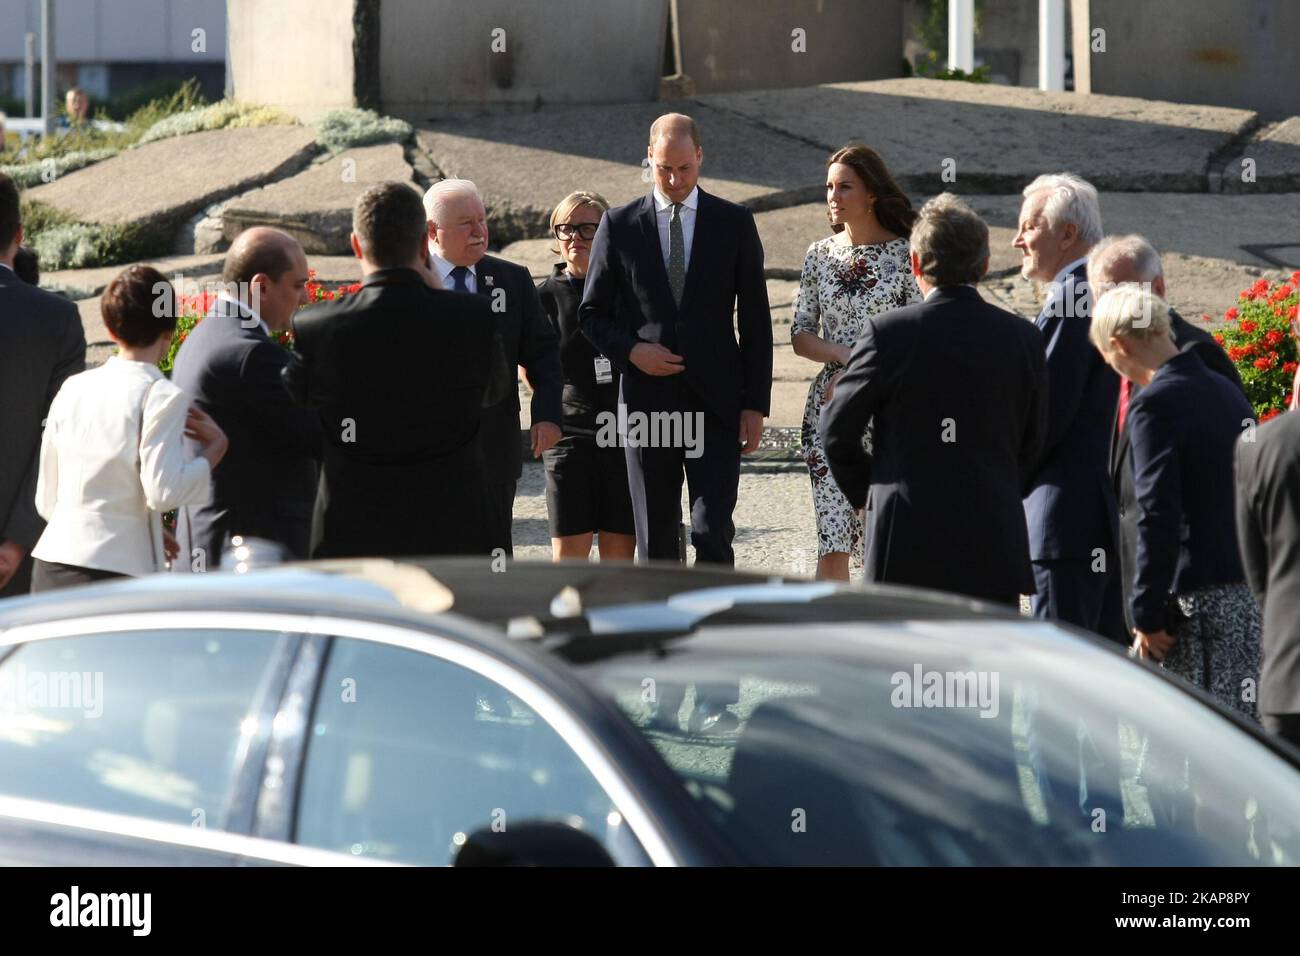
{"type": "Point", "coordinates": [628, 300]}
{"type": "Point", "coordinates": [1268, 530]}
{"type": "Point", "coordinates": [958, 391]}
{"type": "Point", "coordinates": [1070, 507]}
{"type": "Point", "coordinates": [41, 344]}
{"type": "Point", "coordinates": [266, 484]}
{"type": "Point", "coordinates": [1182, 428]}
{"type": "Point", "coordinates": [398, 372]}
{"type": "Point", "coordinates": [1188, 338]}
{"type": "Point", "coordinates": [526, 338]}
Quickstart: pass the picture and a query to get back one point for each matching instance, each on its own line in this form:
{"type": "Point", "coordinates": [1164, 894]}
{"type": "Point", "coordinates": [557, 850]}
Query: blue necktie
{"type": "Point", "coordinates": [459, 275]}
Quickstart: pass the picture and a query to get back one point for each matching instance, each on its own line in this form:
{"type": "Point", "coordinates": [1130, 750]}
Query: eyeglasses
{"type": "Point", "coordinates": [566, 230]}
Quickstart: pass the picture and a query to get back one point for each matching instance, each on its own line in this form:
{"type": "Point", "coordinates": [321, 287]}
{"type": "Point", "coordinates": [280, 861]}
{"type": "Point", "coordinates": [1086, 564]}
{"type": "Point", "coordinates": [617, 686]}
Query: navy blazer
{"type": "Point", "coordinates": [1070, 506]}
{"type": "Point", "coordinates": [1188, 338]}
{"type": "Point", "coordinates": [1182, 428]}
{"type": "Point", "coordinates": [628, 300]}
{"type": "Point", "coordinates": [959, 394]}
{"type": "Point", "coordinates": [265, 486]}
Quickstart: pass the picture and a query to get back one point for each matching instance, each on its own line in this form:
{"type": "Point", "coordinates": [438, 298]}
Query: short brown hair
{"type": "Point", "coordinates": [571, 202]}
{"type": "Point", "coordinates": [271, 258]}
{"type": "Point", "coordinates": [388, 219]}
{"type": "Point", "coordinates": [139, 306]}
{"type": "Point", "coordinates": [10, 211]}
{"type": "Point", "coordinates": [951, 241]}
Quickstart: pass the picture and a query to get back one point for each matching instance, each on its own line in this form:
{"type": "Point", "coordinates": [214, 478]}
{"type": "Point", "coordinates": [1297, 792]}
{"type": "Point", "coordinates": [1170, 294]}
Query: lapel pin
{"type": "Point", "coordinates": [488, 280]}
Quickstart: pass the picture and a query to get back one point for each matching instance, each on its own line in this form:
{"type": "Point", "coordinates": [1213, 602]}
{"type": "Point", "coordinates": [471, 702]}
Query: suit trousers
{"type": "Point", "coordinates": [655, 474]}
{"type": "Point", "coordinates": [501, 515]}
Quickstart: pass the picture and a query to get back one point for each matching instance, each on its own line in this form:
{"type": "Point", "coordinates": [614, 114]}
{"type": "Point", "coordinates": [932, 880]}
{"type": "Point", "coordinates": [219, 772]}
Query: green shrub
{"type": "Point", "coordinates": [345, 129]}
{"type": "Point", "coordinates": [227, 114]}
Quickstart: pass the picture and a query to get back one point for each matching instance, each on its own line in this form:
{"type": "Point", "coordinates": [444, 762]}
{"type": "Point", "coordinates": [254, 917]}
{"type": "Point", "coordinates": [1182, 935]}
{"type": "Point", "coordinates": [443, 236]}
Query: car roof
{"type": "Point", "coordinates": [471, 588]}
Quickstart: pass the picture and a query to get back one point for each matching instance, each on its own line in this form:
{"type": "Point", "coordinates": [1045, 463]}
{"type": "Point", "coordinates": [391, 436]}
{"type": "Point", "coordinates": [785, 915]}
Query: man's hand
{"type": "Point", "coordinates": [545, 435]}
{"type": "Point", "coordinates": [751, 430]}
{"type": "Point", "coordinates": [1153, 644]}
{"type": "Point", "coordinates": [654, 359]}
{"type": "Point", "coordinates": [11, 557]}
{"type": "Point", "coordinates": [171, 547]}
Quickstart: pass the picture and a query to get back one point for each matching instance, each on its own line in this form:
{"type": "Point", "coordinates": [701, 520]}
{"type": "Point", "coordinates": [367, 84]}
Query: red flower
{"type": "Point", "coordinates": [1218, 338]}
{"type": "Point", "coordinates": [1231, 314]}
{"type": "Point", "coordinates": [1293, 312]}
{"type": "Point", "coordinates": [1290, 367]}
{"type": "Point", "coordinates": [1273, 338]}
{"type": "Point", "coordinates": [1262, 364]}
{"type": "Point", "coordinates": [1247, 326]}
{"type": "Point", "coordinates": [1269, 415]}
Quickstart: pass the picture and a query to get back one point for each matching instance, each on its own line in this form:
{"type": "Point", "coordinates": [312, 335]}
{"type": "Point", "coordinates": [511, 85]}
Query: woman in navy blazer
{"type": "Point", "coordinates": [1191, 606]}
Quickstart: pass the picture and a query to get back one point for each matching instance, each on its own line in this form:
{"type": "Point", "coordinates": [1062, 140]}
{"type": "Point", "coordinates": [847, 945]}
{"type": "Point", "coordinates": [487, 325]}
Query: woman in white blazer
{"type": "Point", "coordinates": [113, 457]}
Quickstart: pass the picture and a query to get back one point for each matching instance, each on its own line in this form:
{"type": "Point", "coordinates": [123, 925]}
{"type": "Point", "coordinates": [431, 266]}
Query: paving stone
{"type": "Point", "coordinates": [524, 164]}
{"type": "Point", "coordinates": [315, 206]}
{"type": "Point", "coordinates": [161, 185]}
{"type": "Point", "coordinates": [1276, 155]}
{"type": "Point", "coordinates": [1000, 137]}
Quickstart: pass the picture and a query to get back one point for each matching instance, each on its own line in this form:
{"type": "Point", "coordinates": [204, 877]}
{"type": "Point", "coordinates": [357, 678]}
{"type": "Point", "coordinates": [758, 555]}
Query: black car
{"type": "Point", "coordinates": [436, 712]}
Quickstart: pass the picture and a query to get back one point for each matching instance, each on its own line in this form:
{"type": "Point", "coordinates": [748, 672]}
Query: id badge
{"type": "Point", "coordinates": [604, 370]}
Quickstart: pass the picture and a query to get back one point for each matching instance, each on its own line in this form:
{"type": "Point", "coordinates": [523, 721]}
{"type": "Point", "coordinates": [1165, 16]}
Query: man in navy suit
{"type": "Point", "coordinates": [1131, 259]}
{"type": "Point", "coordinates": [666, 273]}
{"type": "Point", "coordinates": [265, 487]}
{"type": "Point", "coordinates": [958, 392]}
{"type": "Point", "coordinates": [1070, 506]}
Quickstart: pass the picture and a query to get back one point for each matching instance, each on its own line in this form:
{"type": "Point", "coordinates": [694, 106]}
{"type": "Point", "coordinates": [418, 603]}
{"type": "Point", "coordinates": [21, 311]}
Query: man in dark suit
{"type": "Point", "coordinates": [1268, 529]}
{"type": "Point", "coordinates": [957, 389]}
{"type": "Point", "coordinates": [41, 344]}
{"type": "Point", "coordinates": [458, 242]}
{"type": "Point", "coordinates": [667, 273]}
{"type": "Point", "coordinates": [266, 485]}
{"type": "Point", "coordinates": [402, 470]}
{"type": "Point", "coordinates": [1131, 259]}
{"type": "Point", "coordinates": [1070, 505]}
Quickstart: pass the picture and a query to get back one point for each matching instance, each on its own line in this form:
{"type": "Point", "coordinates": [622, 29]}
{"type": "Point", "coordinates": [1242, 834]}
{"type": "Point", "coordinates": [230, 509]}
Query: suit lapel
{"type": "Point", "coordinates": [653, 253]}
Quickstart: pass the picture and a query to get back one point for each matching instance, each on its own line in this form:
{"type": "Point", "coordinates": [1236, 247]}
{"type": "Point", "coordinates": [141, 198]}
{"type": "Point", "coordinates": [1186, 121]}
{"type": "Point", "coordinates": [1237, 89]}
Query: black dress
{"type": "Point", "coordinates": [586, 484]}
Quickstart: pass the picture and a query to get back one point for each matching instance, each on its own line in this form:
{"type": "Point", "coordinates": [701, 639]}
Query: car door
{"type": "Point", "coordinates": [411, 742]}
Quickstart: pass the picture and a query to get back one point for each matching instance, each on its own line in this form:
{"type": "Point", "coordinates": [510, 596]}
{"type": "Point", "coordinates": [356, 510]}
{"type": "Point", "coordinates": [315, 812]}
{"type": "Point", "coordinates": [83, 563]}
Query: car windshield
{"type": "Point", "coordinates": [948, 743]}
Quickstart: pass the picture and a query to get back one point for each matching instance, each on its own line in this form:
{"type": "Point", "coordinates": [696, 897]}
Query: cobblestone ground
{"type": "Point", "coordinates": [776, 530]}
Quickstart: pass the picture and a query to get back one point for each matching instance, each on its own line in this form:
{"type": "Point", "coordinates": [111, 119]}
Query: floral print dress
{"type": "Point", "coordinates": [841, 286]}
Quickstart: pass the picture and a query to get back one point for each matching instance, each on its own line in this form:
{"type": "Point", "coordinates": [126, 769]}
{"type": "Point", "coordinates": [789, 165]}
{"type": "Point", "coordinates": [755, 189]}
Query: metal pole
{"type": "Point", "coordinates": [48, 107]}
{"type": "Point", "coordinates": [30, 75]}
{"type": "Point", "coordinates": [1051, 44]}
{"type": "Point", "coordinates": [961, 35]}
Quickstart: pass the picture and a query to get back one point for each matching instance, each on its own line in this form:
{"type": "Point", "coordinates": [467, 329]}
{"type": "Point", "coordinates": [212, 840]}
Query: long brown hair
{"type": "Point", "coordinates": [893, 208]}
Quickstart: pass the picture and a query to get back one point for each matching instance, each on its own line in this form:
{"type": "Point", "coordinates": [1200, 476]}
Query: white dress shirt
{"type": "Point", "coordinates": [664, 216]}
{"type": "Point", "coordinates": [112, 461]}
{"type": "Point", "coordinates": [443, 268]}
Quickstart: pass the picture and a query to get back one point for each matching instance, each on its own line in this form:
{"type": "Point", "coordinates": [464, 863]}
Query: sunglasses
{"type": "Point", "coordinates": [567, 230]}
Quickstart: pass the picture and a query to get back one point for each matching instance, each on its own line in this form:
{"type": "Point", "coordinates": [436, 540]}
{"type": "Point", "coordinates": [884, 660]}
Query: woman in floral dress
{"type": "Point", "coordinates": [862, 269]}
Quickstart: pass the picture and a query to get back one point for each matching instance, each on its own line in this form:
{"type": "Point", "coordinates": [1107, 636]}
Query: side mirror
{"type": "Point", "coordinates": [533, 843]}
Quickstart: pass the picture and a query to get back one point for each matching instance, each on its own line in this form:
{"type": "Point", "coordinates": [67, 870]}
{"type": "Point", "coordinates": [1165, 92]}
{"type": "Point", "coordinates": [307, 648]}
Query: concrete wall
{"type": "Point", "coordinates": [747, 44]}
{"type": "Point", "coordinates": [108, 31]}
{"type": "Point", "coordinates": [295, 54]}
{"type": "Point", "coordinates": [437, 55]}
{"type": "Point", "coordinates": [1241, 53]}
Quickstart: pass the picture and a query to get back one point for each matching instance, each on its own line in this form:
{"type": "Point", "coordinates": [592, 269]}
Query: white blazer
{"type": "Point", "coordinates": [112, 461]}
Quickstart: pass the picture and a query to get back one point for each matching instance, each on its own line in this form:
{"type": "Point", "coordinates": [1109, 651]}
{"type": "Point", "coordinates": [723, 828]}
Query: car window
{"type": "Point", "coordinates": [912, 745]}
{"type": "Point", "coordinates": [142, 723]}
{"type": "Point", "coordinates": [408, 754]}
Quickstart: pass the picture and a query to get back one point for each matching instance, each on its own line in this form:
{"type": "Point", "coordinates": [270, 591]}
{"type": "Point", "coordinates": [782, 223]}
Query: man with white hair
{"type": "Point", "coordinates": [1114, 261]}
{"type": "Point", "coordinates": [458, 242]}
{"type": "Point", "coordinates": [1070, 506]}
